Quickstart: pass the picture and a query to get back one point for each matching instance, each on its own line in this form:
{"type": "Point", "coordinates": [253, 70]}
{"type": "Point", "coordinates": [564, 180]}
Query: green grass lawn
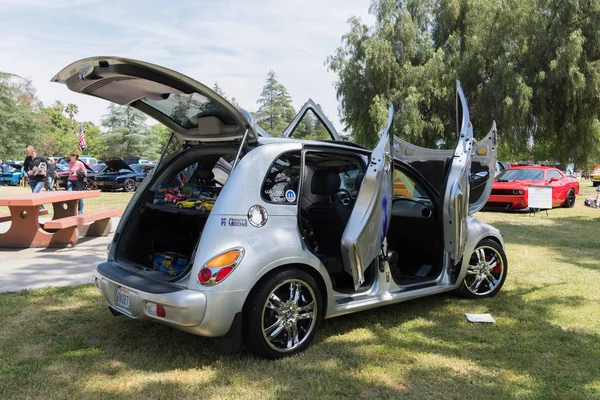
{"type": "Point", "coordinates": [64, 343]}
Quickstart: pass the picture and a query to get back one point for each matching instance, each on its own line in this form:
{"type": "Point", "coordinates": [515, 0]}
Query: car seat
{"type": "Point", "coordinates": [328, 220]}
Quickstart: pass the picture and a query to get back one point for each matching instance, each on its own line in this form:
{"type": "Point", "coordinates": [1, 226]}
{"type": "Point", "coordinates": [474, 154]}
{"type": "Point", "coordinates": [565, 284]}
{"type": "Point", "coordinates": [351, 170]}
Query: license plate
{"type": "Point", "coordinates": [122, 298]}
{"type": "Point", "coordinates": [99, 184]}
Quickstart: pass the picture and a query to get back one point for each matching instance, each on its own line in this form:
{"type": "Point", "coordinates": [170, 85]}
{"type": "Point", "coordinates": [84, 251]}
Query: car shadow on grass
{"type": "Point", "coordinates": [419, 349]}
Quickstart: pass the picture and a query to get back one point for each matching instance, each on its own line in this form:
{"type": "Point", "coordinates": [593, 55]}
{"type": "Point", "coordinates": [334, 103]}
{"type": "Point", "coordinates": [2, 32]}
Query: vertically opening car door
{"type": "Point", "coordinates": [312, 111]}
{"type": "Point", "coordinates": [369, 221]}
{"type": "Point", "coordinates": [433, 164]}
{"type": "Point", "coordinates": [450, 173]}
{"type": "Point", "coordinates": [483, 170]}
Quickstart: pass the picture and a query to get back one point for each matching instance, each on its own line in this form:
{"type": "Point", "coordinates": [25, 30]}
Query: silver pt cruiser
{"type": "Point", "coordinates": [301, 230]}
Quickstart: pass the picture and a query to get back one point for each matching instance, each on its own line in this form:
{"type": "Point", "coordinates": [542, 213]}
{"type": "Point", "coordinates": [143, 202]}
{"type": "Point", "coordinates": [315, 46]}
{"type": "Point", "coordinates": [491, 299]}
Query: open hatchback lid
{"type": "Point", "coordinates": [190, 109]}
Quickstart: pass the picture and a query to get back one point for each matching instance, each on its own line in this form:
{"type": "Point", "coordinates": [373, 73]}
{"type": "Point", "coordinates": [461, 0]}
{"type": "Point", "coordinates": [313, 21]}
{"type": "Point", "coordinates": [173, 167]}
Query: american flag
{"type": "Point", "coordinates": [81, 138]}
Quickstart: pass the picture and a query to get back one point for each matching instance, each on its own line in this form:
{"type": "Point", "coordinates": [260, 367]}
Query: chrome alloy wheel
{"type": "Point", "coordinates": [129, 185]}
{"type": "Point", "coordinates": [289, 315]}
{"type": "Point", "coordinates": [485, 271]}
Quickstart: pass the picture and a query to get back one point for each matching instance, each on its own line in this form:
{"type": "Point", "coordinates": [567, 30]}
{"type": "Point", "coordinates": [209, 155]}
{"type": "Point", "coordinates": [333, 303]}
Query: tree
{"type": "Point", "coordinates": [217, 89]}
{"type": "Point", "coordinates": [127, 134]}
{"type": "Point", "coordinates": [72, 110]}
{"type": "Point", "coordinates": [19, 123]}
{"type": "Point", "coordinates": [532, 66]}
{"type": "Point", "coordinates": [276, 110]}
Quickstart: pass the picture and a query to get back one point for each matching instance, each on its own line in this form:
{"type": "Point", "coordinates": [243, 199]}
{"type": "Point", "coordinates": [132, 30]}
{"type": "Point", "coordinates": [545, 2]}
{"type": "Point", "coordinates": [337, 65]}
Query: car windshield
{"type": "Point", "coordinates": [521, 174]}
{"type": "Point", "coordinates": [98, 167]}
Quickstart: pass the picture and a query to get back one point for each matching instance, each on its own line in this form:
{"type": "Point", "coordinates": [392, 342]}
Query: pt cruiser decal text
{"type": "Point", "coordinates": [242, 222]}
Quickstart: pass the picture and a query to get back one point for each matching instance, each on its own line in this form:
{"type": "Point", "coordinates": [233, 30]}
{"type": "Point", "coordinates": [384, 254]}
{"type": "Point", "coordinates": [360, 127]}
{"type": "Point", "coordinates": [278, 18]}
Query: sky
{"type": "Point", "coordinates": [234, 43]}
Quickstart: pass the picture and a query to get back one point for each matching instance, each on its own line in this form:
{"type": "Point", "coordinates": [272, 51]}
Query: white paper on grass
{"type": "Point", "coordinates": [480, 318]}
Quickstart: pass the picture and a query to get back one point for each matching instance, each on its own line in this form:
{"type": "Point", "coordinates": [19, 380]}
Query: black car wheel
{"type": "Point", "coordinates": [180, 206]}
{"type": "Point", "coordinates": [195, 207]}
{"type": "Point", "coordinates": [203, 208]}
{"type": "Point", "coordinates": [282, 314]}
{"type": "Point", "coordinates": [570, 201]}
{"type": "Point", "coordinates": [486, 271]}
{"type": "Point", "coordinates": [129, 185]}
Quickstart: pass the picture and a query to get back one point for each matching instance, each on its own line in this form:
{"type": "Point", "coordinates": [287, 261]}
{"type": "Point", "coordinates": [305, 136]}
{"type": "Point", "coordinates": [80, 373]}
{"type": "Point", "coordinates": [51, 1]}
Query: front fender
{"type": "Point", "coordinates": [477, 231]}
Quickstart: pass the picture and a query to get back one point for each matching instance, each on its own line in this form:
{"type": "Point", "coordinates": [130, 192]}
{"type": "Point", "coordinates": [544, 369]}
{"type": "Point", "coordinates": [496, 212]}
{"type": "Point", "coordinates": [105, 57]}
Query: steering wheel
{"type": "Point", "coordinates": [343, 196]}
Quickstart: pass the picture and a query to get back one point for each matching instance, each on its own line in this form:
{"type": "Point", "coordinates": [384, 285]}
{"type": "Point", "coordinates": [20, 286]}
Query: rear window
{"type": "Point", "coordinates": [521, 174]}
{"type": "Point", "coordinates": [281, 182]}
{"type": "Point", "coordinates": [183, 109]}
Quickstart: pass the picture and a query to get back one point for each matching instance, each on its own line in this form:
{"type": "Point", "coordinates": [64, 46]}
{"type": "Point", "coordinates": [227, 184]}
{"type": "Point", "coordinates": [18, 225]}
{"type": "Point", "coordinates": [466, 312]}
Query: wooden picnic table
{"type": "Point", "coordinates": [64, 228]}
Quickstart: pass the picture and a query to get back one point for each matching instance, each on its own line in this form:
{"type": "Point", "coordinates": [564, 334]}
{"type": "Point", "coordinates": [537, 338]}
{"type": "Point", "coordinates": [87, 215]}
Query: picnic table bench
{"type": "Point", "coordinates": [65, 227]}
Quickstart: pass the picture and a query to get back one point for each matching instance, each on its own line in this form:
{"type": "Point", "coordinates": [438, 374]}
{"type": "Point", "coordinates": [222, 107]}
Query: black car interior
{"type": "Point", "coordinates": [145, 232]}
{"type": "Point", "coordinates": [331, 185]}
{"type": "Point", "coordinates": [415, 230]}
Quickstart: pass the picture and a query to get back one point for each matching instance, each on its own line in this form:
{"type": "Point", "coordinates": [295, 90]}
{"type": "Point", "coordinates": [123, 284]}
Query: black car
{"type": "Point", "coordinates": [119, 175]}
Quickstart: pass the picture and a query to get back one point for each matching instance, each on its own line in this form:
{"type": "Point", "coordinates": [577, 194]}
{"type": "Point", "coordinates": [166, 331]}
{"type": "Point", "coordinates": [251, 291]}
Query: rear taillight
{"type": "Point", "coordinates": [204, 275]}
{"type": "Point", "coordinates": [223, 272]}
{"type": "Point", "coordinates": [156, 309]}
{"type": "Point", "coordinates": [220, 267]}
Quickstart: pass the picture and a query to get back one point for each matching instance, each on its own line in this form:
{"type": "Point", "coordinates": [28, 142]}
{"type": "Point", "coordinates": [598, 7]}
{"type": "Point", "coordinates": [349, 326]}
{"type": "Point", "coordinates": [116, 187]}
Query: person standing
{"type": "Point", "coordinates": [51, 175]}
{"type": "Point", "coordinates": [77, 173]}
{"type": "Point", "coordinates": [35, 166]}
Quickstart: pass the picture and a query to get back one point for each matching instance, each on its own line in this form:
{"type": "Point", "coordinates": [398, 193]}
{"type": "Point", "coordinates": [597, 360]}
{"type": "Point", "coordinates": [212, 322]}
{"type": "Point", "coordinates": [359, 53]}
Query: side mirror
{"type": "Point", "coordinates": [479, 178]}
{"type": "Point", "coordinates": [553, 179]}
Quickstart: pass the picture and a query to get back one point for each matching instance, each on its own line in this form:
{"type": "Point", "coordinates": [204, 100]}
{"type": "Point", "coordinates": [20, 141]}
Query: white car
{"type": "Point", "coordinates": [301, 230]}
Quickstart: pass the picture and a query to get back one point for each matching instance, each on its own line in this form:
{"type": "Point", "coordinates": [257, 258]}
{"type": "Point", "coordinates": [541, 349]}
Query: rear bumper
{"type": "Point", "coordinates": [185, 309]}
{"type": "Point", "coordinates": [506, 202]}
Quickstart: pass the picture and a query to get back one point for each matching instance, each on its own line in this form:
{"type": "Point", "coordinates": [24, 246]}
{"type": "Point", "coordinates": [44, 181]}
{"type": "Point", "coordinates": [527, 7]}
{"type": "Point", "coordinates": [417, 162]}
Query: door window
{"type": "Point", "coordinates": [406, 187]}
{"type": "Point", "coordinates": [553, 174]}
{"type": "Point", "coordinates": [281, 182]}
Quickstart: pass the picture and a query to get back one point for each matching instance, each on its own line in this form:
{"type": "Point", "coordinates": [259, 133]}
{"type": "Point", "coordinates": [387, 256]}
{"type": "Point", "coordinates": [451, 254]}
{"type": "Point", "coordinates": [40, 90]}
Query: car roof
{"type": "Point", "coordinates": [541, 167]}
{"type": "Point", "coordinates": [349, 146]}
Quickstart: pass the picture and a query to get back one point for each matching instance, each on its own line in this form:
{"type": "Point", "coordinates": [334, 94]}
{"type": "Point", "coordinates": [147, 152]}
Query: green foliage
{"type": "Point", "coordinates": [127, 134]}
{"type": "Point", "coordinates": [275, 107]}
{"type": "Point", "coordinates": [19, 123]}
{"type": "Point", "coordinates": [217, 89]}
{"type": "Point", "coordinates": [71, 110]}
{"type": "Point", "coordinates": [533, 66]}
{"type": "Point", "coordinates": [311, 128]}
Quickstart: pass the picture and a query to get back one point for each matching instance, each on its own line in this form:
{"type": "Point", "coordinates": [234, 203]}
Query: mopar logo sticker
{"type": "Point", "coordinates": [290, 195]}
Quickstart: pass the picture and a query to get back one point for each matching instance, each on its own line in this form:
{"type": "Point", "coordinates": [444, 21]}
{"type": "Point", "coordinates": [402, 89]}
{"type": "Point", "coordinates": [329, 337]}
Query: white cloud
{"type": "Point", "coordinates": [233, 43]}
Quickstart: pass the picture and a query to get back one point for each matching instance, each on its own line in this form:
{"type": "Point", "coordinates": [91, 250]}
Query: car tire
{"type": "Point", "coordinates": [129, 185]}
{"type": "Point", "coordinates": [596, 184]}
{"type": "Point", "coordinates": [570, 201]}
{"type": "Point", "coordinates": [282, 314]}
{"type": "Point", "coordinates": [195, 207]}
{"type": "Point", "coordinates": [180, 206]}
{"type": "Point", "coordinates": [203, 208]}
{"type": "Point", "coordinates": [483, 280]}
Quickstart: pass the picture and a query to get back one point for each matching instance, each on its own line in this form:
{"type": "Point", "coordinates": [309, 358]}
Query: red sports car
{"type": "Point", "coordinates": [510, 188]}
{"type": "Point", "coordinates": [172, 196]}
